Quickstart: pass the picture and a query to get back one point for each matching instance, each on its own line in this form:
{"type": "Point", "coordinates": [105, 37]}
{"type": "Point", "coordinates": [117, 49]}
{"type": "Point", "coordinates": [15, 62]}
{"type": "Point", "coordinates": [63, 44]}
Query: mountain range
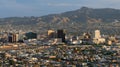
{"type": "Point", "coordinates": [82, 15]}
{"type": "Point", "coordinates": [78, 21]}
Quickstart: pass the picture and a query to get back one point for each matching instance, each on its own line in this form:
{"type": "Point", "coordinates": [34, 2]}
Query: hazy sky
{"type": "Point", "coordinates": [20, 8]}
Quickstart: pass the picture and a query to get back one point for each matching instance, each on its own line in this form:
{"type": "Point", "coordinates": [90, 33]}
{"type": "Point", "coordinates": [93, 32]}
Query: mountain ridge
{"type": "Point", "coordinates": [86, 14]}
{"type": "Point", "coordinates": [78, 21]}
{"type": "Point", "coordinates": [82, 15]}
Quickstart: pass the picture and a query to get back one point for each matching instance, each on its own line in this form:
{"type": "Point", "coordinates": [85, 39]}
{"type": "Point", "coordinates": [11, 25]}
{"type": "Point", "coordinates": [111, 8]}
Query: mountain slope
{"type": "Point", "coordinates": [85, 14]}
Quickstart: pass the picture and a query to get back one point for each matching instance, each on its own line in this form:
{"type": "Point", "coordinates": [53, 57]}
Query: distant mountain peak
{"type": "Point", "coordinates": [86, 14]}
{"type": "Point", "coordinates": [84, 8]}
{"type": "Point", "coordinates": [82, 15]}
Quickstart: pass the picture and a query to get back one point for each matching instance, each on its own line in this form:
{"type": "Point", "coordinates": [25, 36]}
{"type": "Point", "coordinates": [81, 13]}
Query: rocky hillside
{"type": "Point", "coordinates": [83, 15]}
{"type": "Point", "coordinates": [78, 21]}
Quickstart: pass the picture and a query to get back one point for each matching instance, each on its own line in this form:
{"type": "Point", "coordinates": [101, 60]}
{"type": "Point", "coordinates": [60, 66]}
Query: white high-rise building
{"type": "Point", "coordinates": [98, 39]}
{"type": "Point", "coordinates": [97, 34]}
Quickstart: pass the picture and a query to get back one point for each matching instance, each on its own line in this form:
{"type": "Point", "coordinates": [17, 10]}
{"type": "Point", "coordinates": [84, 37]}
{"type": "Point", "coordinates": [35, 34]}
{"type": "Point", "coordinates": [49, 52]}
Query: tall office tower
{"type": "Point", "coordinates": [51, 34]}
{"type": "Point", "coordinates": [15, 37]}
{"type": "Point", "coordinates": [97, 34]}
{"type": "Point", "coordinates": [12, 38]}
{"type": "Point", "coordinates": [98, 39]}
{"type": "Point", "coordinates": [61, 34]}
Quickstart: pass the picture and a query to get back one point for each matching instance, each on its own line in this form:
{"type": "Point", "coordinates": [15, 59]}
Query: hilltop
{"type": "Point", "coordinates": [82, 15]}
{"type": "Point", "coordinates": [83, 19]}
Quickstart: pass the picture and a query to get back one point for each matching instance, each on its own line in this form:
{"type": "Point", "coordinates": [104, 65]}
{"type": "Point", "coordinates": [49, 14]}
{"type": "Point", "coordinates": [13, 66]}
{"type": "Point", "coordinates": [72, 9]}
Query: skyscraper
{"type": "Point", "coordinates": [98, 39]}
{"type": "Point", "coordinates": [61, 34]}
{"type": "Point", "coordinates": [97, 34]}
{"type": "Point", "coordinates": [12, 37]}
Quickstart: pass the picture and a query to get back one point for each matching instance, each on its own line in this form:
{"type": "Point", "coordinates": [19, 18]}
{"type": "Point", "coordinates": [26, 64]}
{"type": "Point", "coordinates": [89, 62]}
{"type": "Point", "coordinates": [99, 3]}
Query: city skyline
{"type": "Point", "coordinates": [22, 8]}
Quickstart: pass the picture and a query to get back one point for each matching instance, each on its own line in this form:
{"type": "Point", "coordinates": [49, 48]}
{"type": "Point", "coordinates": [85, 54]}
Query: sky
{"type": "Point", "coordinates": [21, 8]}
